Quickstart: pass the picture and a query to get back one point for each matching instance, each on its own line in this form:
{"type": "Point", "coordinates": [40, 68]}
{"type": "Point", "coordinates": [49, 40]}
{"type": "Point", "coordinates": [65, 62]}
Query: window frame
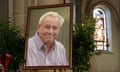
{"type": "Point", "coordinates": [107, 23]}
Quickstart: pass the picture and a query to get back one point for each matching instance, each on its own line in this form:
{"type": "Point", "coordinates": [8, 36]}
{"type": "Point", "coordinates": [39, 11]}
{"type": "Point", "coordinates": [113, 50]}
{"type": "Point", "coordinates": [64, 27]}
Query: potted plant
{"type": "Point", "coordinates": [83, 44]}
{"type": "Point", "coordinates": [11, 45]}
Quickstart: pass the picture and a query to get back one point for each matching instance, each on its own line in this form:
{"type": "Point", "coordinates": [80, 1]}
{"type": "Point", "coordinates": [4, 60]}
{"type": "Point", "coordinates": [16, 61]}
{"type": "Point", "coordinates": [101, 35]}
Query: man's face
{"type": "Point", "coordinates": [49, 29]}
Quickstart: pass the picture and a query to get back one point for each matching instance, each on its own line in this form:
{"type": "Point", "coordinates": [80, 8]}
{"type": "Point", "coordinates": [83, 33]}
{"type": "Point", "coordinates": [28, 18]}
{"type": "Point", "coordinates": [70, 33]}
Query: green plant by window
{"type": "Point", "coordinates": [83, 44]}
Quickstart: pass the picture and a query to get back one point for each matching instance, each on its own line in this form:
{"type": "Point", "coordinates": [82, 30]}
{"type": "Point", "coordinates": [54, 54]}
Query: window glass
{"type": "Point", "coordinates": [101, 32]}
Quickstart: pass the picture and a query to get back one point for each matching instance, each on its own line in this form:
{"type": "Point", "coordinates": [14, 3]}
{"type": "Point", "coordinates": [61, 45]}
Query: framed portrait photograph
{"type": "Point", "coordinates": [48, 37]}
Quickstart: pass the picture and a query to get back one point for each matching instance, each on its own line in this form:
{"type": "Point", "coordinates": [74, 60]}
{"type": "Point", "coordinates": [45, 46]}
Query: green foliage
{"type": "Point", "coordinates": [83, 45]}
{"type": "Point", "coordinates": [12, 42]}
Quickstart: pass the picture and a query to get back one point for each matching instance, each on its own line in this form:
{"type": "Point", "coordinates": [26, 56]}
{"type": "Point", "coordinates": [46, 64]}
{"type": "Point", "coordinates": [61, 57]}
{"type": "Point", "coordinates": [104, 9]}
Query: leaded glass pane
{"type": "Point", "coordinates": [100, 29]}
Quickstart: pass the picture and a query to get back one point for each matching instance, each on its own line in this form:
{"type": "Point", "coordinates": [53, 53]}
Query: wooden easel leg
{"type": "Point", "coordinates": [64, 70]}
{"type": "Point", "coordinates": [60, 70]}
{"type": "Point", "coordinates": [54, 70]}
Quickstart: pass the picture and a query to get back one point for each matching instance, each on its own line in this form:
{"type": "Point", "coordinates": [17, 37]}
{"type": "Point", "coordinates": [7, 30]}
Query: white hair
{"type": "Point", "coordinates": [55, 14]}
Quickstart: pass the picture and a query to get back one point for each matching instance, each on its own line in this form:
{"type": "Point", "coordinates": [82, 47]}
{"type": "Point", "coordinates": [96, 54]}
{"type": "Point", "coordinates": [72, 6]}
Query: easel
{"type": "Point", "coordinates": [54, 69]}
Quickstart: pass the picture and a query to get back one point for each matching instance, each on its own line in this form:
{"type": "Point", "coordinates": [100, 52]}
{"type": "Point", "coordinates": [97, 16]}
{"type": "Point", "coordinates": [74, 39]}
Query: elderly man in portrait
{"type": "Point", "coordinates": [43, 48]}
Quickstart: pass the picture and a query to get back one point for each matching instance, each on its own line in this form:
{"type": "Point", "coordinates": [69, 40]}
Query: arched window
{"type": "Point", "coordinates": [102, 34]}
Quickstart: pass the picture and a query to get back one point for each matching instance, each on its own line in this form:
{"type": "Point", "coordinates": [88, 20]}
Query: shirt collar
{"type": "Point", "coordinates": [38, 41]}
{"type": "Point", "coordinates": [40, 44]}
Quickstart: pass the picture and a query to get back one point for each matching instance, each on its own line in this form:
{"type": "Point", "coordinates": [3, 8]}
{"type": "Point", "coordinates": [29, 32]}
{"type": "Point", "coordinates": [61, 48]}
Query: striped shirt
{"type": "Point", "coordinates": [36, 55]}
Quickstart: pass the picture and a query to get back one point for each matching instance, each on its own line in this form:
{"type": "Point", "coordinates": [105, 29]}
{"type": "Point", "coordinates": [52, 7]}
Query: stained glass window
{"type": "Point", "coordinates": [100, 34]}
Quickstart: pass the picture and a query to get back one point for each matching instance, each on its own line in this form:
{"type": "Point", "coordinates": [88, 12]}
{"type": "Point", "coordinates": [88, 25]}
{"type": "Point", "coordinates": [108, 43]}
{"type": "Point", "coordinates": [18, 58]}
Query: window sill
{"type": "Point", "coordinates": [103, 52]}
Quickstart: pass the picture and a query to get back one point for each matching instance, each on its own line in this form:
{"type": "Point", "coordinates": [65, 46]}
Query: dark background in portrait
{"type": "Point", "coordinates": [63, 37]}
